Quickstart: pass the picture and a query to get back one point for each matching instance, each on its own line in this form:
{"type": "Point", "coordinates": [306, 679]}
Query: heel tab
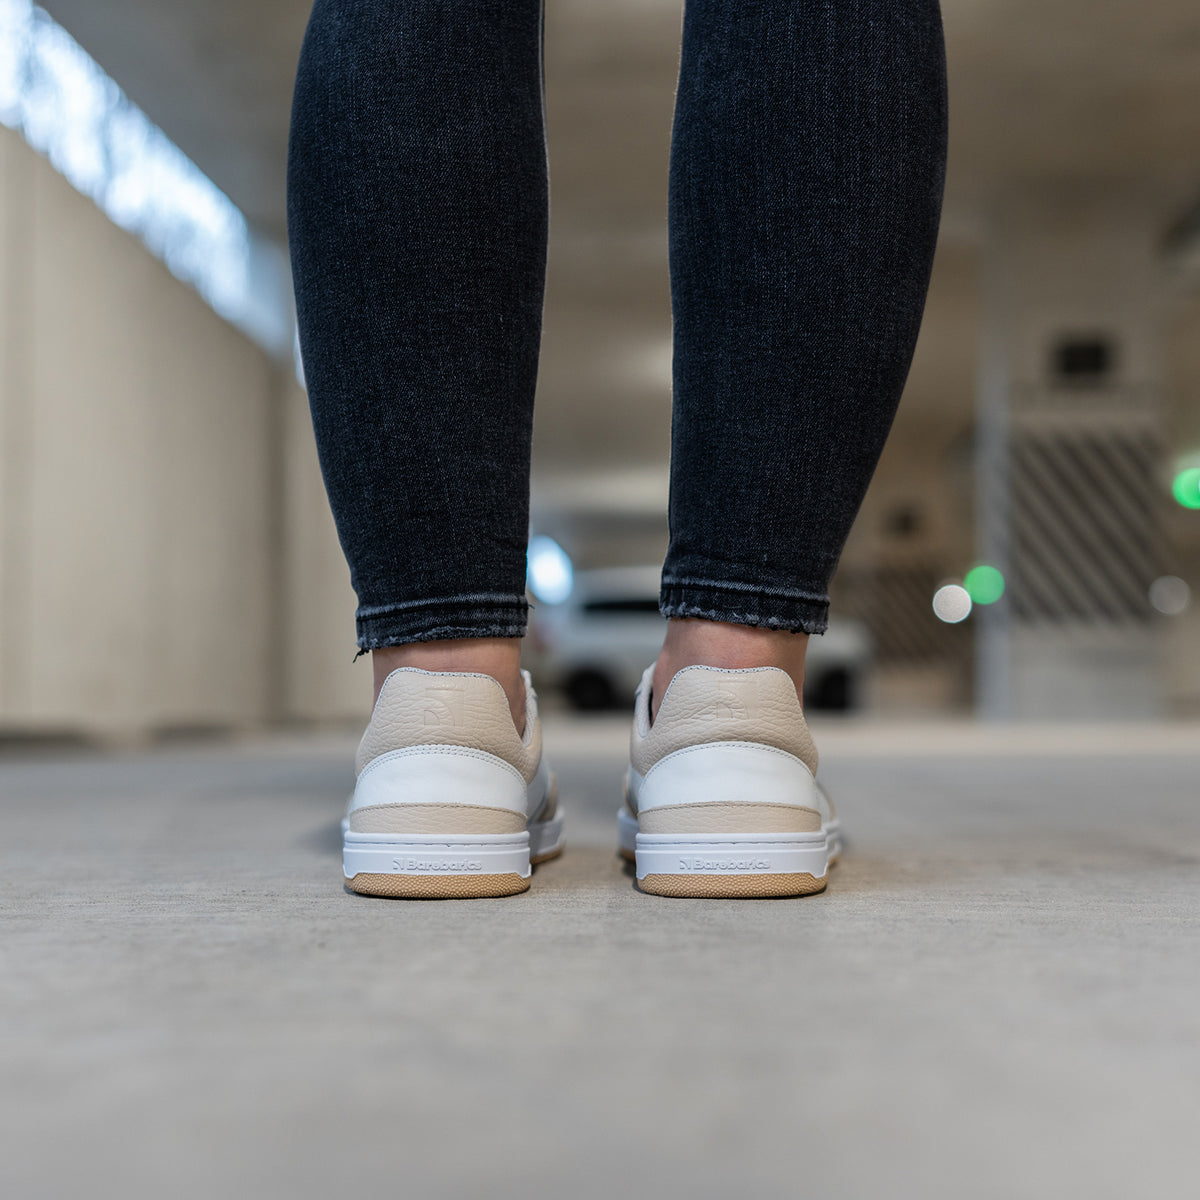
{"type": "Point", "coordinates": [418, 679]}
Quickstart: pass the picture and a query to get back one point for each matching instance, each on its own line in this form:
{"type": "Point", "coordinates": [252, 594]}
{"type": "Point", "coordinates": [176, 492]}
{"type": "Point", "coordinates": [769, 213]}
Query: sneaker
{"type": "Point", "coordinates": [721, 797]}
{"type": "Point", "coordinates": [450, 801]}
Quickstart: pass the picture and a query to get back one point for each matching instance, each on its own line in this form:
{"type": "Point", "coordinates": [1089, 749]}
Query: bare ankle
{"type": "Point", "coordinates": [498, 657]}
{"type": "Point", "coordinates": [693, 642]}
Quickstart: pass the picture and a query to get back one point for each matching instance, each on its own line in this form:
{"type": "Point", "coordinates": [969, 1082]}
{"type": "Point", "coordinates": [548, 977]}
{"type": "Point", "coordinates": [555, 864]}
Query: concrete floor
{"type": "Point", "coordinates": [998, 996]}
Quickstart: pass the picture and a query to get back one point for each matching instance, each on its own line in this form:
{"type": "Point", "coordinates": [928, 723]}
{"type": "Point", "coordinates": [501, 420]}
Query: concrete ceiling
{"type": "Point", "coordinates": [1044, 93]}
{"type": "Point", "coordinates": [1040, 90]}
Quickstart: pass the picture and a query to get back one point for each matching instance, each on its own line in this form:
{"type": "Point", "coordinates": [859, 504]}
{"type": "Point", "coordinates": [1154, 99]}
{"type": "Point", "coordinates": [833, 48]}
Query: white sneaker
{"type": "Point", "coordinates": [721, 797]}
{"type": "Point", "coordinates": [450, 801]}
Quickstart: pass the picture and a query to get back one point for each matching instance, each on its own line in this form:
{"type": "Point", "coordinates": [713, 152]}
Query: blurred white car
{"type": "Point", "coordinates": [595, 645]}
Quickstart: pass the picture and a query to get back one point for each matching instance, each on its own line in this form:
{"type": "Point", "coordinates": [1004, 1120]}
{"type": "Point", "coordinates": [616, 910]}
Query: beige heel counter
{"type": "Point", "coordinates": [708, 704]}
{"type": "Point", "coordinates": [447, 709]}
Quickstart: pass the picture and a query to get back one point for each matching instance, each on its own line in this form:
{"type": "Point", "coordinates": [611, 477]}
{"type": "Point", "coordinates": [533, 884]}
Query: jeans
{"type": "Point", "coordinates": [806, 174]}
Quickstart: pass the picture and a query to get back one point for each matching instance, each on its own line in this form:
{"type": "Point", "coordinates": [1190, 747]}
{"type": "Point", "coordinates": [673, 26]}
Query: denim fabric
{"type": "Point", "coordinates": [807, 163]}
{"type": "Point", "coordinates": [806, 175]}
{"type": "Point", "coordinates": [417, 216]}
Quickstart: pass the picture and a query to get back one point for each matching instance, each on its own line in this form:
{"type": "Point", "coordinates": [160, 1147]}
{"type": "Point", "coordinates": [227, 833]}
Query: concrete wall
{"type": "Point", "coordinates": [321, 679]}
{"type": "Point", "coordinates": [1072, 260]}
{"type": "Point", "coordinates": [160, 554]}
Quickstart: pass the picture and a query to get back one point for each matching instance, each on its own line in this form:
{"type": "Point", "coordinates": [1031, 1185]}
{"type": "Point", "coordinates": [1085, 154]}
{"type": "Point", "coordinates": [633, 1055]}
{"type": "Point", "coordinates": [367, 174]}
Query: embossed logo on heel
{"type": "Point", "coordinates": [706, 865]}
{"type": "Point", "coordinates": [449, 866]}
{"type": "Point", "coordinates": [727, 705]}
{"type": "Point", "coordinates": [443, 706]}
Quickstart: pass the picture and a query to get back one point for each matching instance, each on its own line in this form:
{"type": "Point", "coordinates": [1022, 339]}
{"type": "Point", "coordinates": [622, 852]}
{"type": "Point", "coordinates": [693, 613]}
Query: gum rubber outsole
{"type": "Point", "coordinates": [733, 887]}
{"type": "Point", "coordinates": [438, 887]}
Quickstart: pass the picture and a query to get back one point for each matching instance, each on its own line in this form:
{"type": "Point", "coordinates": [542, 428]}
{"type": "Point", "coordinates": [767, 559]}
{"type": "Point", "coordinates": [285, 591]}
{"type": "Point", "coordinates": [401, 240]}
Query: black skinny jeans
{"type": "Point", "coordinates": [807, 164]}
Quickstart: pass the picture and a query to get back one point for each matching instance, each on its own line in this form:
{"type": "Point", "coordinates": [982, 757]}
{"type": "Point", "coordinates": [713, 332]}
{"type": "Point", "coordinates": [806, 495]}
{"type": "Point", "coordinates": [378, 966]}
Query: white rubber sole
{"type": "Point", "coordinates": [731, 854]}
{"type": "Point", "coordinates": [713, 856]}
{"type": "Point", "coordinates": [435, 854]}
{"type": "Point", "coordinates": [545, 839]}
{"type": "Point", "coordinates": [627, 834]}
{"type": "Point", "coordinates": [447, 865]}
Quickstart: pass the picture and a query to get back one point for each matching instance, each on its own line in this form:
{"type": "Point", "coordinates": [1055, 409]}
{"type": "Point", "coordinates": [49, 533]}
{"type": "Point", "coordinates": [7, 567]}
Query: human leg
{"type": "Point", "coordinates": [807, 165]}
{"type": "Point", "coordinates": [417, 211]}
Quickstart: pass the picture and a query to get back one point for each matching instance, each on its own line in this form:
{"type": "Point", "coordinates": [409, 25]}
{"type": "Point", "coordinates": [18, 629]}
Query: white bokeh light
{"type": "Point", "coordinates": [952, 604]}
{"type": "Point", "coordinates": [551, 575]}
{"type": "Point", "coordinates": [1170, 595]}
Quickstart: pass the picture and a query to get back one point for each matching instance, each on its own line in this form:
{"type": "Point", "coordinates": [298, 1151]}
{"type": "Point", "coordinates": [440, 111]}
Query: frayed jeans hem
{"type": "Point", "coordinates": [744, 605]}
{"type": "Point", "coordinates": [441, 620]}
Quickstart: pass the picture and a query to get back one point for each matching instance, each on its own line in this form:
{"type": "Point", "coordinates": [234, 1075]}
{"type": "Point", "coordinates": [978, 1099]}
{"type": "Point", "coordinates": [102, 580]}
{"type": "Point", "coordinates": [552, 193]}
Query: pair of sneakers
{"type": "Point", "coordinates": [721, 797]}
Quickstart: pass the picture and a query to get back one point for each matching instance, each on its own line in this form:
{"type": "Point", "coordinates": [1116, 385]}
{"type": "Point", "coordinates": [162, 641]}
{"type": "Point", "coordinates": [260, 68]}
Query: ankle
{"type": "Point", "coordinates": [691, 642]}
{"type": "Point", "coordinates": [498, 657]}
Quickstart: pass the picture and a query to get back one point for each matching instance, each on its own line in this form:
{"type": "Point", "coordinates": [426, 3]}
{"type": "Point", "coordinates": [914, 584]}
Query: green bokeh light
{"type": "Point", "coordinates": [984, 584]}
{"type": "Point", "coordinates": [1186, 487]}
